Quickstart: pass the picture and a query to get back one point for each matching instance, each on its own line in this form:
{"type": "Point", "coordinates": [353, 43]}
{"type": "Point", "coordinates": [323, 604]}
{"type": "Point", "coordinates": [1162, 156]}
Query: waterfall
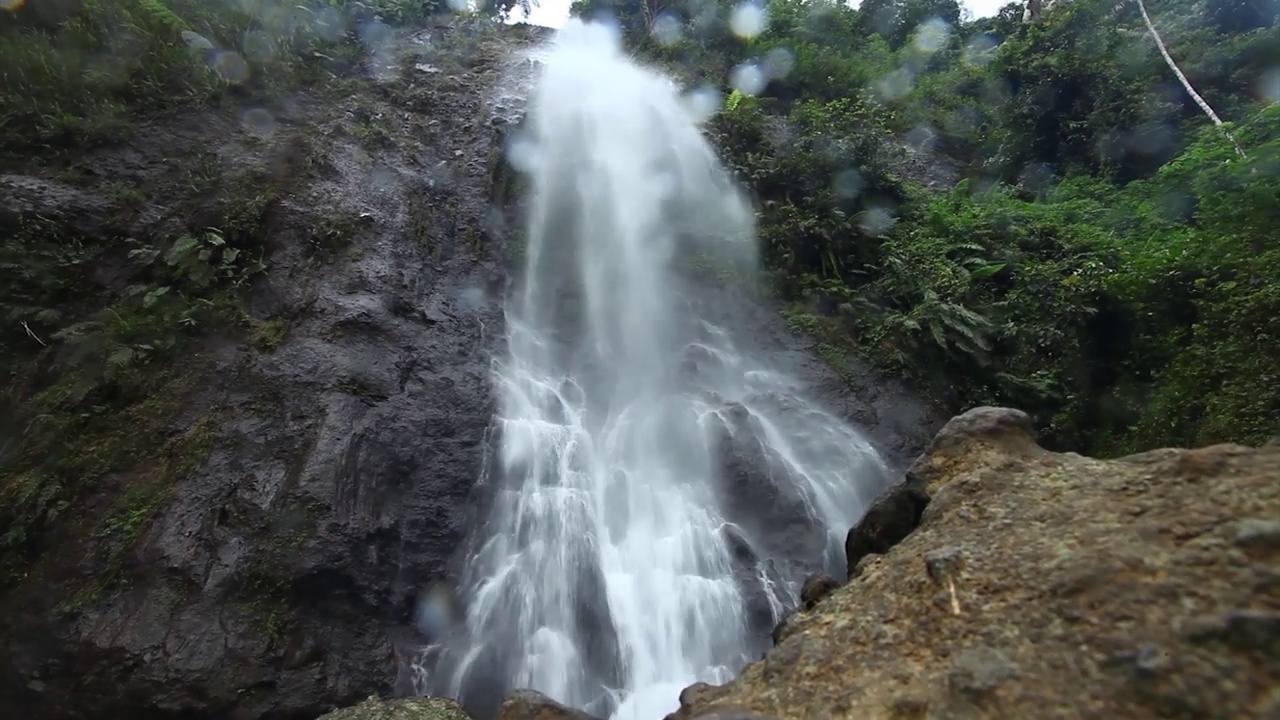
{"type": "Point", "coordinates": [656, 492]}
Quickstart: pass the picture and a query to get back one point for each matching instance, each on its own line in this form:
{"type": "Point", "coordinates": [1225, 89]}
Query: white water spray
{"type": "Point", "coordinates": [647, 470]}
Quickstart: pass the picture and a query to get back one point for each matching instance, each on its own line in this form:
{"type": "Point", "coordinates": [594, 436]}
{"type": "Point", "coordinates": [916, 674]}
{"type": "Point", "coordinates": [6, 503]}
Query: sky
{"type": "Point", "coordinates": [553, 13]}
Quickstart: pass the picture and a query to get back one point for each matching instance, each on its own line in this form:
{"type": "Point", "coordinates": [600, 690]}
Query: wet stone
{"type": "Point", "coordinates": [943, 563]}
{"type": "Point", "coordinates": [817, 587]}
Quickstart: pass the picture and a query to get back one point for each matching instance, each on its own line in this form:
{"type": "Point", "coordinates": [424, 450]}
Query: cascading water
{"type": "Point", "coordinates": [645, 469]}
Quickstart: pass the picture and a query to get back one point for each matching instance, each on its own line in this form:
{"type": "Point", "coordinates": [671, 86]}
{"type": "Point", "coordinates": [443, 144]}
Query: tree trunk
{"type": "Point", "coordinates": [1183, 78]}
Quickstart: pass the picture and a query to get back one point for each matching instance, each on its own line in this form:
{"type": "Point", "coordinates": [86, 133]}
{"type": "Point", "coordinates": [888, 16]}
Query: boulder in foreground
{"type": "Point", "coordinates": [1045, 585]}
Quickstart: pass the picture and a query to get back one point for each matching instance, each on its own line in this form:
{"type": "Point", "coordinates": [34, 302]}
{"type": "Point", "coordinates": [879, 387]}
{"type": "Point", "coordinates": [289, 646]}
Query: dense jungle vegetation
{"type": "Point", "coordinates": [1032, 214]}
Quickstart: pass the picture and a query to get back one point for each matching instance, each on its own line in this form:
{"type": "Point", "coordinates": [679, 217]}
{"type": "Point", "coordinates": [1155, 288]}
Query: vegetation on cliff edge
{"type": "Point", "coordinates": [1026, 214]}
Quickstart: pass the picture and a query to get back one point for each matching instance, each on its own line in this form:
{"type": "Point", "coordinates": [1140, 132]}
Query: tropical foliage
{"type": "Point", "coordinates": [1034, 214]}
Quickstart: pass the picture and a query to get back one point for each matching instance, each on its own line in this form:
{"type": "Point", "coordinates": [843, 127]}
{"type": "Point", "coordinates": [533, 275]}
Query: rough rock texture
{"type": "Point", "coordinates": [530, 705]}
{"type": "Point", "coordinates": [405, 709]}
{"type": "Point", "coordinates": [1050, 586]}
{"type": "Point", "coordinates": [897, 511]}
{"type": "Point", "coordinates": [280, 579]}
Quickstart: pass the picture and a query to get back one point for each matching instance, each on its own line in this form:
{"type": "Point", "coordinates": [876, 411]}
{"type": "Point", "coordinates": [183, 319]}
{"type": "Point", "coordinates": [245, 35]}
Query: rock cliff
{"type": "Point", "coordinates": [1000, 580]}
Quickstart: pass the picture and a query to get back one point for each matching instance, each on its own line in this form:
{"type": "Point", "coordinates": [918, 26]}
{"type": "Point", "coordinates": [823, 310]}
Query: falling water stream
{"type": "Point", "coordinates": [648, 476]}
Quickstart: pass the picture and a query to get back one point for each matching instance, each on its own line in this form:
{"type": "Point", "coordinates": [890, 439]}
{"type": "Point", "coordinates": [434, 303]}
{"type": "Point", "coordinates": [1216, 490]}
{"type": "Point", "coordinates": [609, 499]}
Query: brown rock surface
{"type": "Point", "coordinates": [531, 705]}
{"type": "Point", "coordinates": [402, 709]}
{"type": "Point", "coordinates": [1046, 585]}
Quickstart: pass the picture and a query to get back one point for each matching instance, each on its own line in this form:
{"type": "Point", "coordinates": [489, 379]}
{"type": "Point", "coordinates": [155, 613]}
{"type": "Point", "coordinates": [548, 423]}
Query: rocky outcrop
{"type": "Point", "coordinates": [406, 709]}
{"type": "Point", "coordinates": [530, 705]}
{"type": "Point", "coordinates": [1038, 584]}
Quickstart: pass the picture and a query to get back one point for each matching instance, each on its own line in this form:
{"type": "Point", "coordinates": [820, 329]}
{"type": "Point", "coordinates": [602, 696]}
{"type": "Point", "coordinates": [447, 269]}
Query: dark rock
{"type": "Point", "coordinates": [862, 565]}
{"type": "Point", "coordinates": [943, 563]}
{"type": "Point", "coordinates": [530, 705]}
{"type": "Point", "coordinates": [889, 520]}
{"type": "Point", "coordinates": [815, 588]}
{"type": "Point", "coordinates": [899, 510]}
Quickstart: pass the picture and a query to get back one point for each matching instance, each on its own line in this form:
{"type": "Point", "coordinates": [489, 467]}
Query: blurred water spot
{"type": "Point", "coordinates": [473, 298]}
{"type": "Point", "coordinates": [896, 84]}
{"type": "Point", "coordinates": [522, 152]}
{"type": "Point", "coordinates": [748, 78]}
{"type": "Point", "coordinates": [979, 51]}
{"type": "Point", "coordinates": [258, 46]}
{"type": "Point", "coordinates": [196, 41]}
{"type": "Point", "coordinates": [876, 221]}
{"type": "Point", "coordinates": [962, 122]}
{"type": "Point", "coordinates": [847, 184]}
{"type": "Point", "coordinates": [1176, 206]}
{"type": "Point", "coordinates": [702, 103]}
{"type": "Point", "coordinates": [328, 24]}
{"type": "Point", "coordinates": [12, 4]}
{"type": "Point", "coordinates": [748, 20]}
{"type": "Point", "coordinates": [258, 121]}
{"type": "Point", "coordinates": [931, 36]}
{"type": "Point", "coordinates": [1036, 177]}
{"type": "Point", "coordinates": [921, 138]}
{"type": "Point", "coordinates": [779, 62]}
{"type": "Point", "coordinates": [460, 6]}
{"type": "Point", "coordinates": [230, 66]}
{"type": "Point", "coordinates": [383, 178]}
{"type": "Point", "coordinates": [373, 34]}
{"type": "Point", "coordinates": [1269, 85]}
{"type": "Point", "coordinates": [666, 29]}
{"type": "Point", "coordinates": [109, 70]}
{"type": "Point", "coordinates": [1151, 138]}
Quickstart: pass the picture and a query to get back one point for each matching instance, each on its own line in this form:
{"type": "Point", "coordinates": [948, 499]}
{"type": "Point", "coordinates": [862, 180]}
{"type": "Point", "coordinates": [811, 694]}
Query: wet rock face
{"type": "Point", "coordinates": [279, 581]}
{"type": "Point", "coordinates": [1038, 584]}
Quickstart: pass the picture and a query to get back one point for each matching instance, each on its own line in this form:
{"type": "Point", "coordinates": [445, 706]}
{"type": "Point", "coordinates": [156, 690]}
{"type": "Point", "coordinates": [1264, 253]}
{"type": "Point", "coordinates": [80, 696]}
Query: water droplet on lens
{"type": "Point", "coordinates": [847, 184]}
{"type": "Point", "coordinates": [748, 20]}
{"type": "Point", "coordinates": [1269, 85]}
{"type": "Point", "coordinates": [196, 41]}
{"type": "Point", "coordinates": [702, 103]}
{"type": "Point", "coordinates": [666, 29]}
{"type": "Point", "coordinates": [931, 36]}
{"type": "Point", "coordinates": [231, 67]}
{"type": "Point", "coordinates": [779, 62]}
{"type": "Point", "coordinates": [748, 79]}
{"type": "Point", "coordinates": [258, 46]}
{"type": "Point", "coordinates": [522, 153]}
{"type": "Point", "coordinates": [876, 221]}
{"type": "Point", "coordinates": [259, 122]}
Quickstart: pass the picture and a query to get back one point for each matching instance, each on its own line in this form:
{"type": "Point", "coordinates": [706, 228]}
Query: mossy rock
{"type": "Point", "coordinates": [403, 709]}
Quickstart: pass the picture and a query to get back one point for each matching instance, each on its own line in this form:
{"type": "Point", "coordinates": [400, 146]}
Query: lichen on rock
{"type": "Point", "coordinates": [1045, 585]}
